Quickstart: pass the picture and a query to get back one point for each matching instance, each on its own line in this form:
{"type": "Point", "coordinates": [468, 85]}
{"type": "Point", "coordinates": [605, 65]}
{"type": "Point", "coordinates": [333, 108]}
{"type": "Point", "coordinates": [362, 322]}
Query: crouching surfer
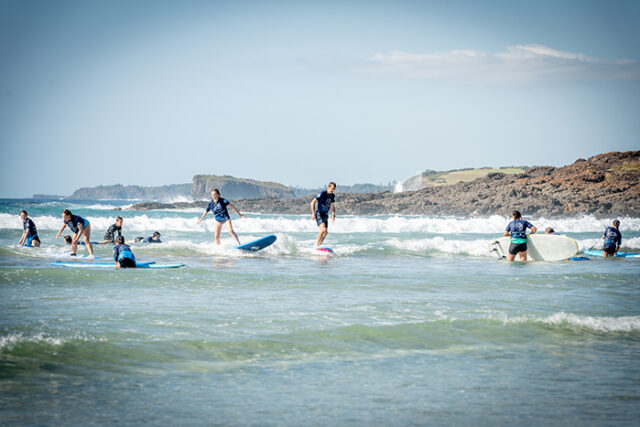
{"type": "Point", "coordinates": [30, 234]}
{"type": "Point", "coordinates": [79, 226]}
{"type": "Point", "coordinates": [517, 229]}
{"type": "Point", "coordinates": [122, 254]}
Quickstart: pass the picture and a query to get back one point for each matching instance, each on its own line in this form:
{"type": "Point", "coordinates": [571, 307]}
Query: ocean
{"type": "Point", "coordinates": [412, 322]}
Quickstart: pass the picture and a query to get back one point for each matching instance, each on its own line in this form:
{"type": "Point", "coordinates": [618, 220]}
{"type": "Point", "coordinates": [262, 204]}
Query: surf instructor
{"type": "Point", "coordinates": [320, 207]}
{"type": "Point", "coordinates": [218, 206]}
{"type": "Point", "coordinates": [517, 229]}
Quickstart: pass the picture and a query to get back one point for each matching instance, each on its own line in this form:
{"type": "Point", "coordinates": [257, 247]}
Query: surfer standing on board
{"type": "Point", "coordinates": [612, 240]}
{"type": "Point", "coordinates": [320, 207]}
{"type": "Point", "coordinates": [218, 206]}
{"type": "Point", "coordinates": [517, 229]}
{"type": "Point", "coordinates": [79, 226]}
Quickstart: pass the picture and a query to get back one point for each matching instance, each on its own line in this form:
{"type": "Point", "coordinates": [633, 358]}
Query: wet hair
{"type": "Point", "coordinates": [549, 230]}
{"type": "Point", "coordinates": [516, 214]}
{"type": "Point", "coordinates": [332, 184]}
{"type": "Point", "coordinates": [67, 212]}
{"type": "Point", "coordinates": [67, 239]}
{"type": "Point", "coordinates": [156, 233]}
{"type": "Point", "coordinates": [118, 218]}
{"type": "Point", "coordinates": [215, 190]}
{"type": "Point", "coordinates": [24, 212]}
{"type": "Point", "coordinates": [120, 240]}
{"type": "Point", "coordinates": [616, 223]}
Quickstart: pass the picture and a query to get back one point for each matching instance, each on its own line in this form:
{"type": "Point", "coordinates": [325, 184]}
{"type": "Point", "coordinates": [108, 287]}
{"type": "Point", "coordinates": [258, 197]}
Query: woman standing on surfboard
{"type": "Point", "coordinates": [218, 206]}
{"type": "Point", "coordinates": [517, 229]}
{"type": "Point", "coordinates": [320, 207]}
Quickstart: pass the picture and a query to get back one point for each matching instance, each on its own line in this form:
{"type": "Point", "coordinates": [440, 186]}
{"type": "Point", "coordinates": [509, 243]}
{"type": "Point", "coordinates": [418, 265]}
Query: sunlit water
{"type": "Point", "coordinates": [413, 321]}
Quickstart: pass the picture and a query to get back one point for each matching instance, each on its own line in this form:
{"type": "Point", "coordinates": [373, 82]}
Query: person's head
{"type": "Point", "coordinates": [119, 221]}
{"type": "Point", "coordinates": [67, 239]}
{"type": "Point", "coordinates": [516, 215]}
{"type": "Point", "coordinates": [331, 187]}
{"type": "Point", "coordinates": [616, 223]}
{"type": "Point", "coordinates": [120, 240]}
{"type": "Point", "coordinates": [66, 214]}
{"type": "Point", "coordinates": [549, 230]}
{"type": "Point", "coordinates": [156, 235]}
{"type": "Point", "coordinates": [215, 194]}
{"type": "Point", "coordinates": [24, 215]}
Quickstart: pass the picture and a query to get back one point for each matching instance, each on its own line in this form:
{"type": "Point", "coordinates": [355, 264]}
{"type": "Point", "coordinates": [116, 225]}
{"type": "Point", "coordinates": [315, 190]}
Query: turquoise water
{"type": "Point", "coordinates": [412, 322]}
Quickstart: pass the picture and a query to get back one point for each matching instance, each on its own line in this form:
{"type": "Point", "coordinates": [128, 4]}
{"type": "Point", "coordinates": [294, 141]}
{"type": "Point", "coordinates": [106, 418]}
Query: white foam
{"type": "Point", "coordinates": [8, 342]}
{"type": "Point", "coordinates": [603, 324]}
{"type": "Point", "coordinates": [471, 247]}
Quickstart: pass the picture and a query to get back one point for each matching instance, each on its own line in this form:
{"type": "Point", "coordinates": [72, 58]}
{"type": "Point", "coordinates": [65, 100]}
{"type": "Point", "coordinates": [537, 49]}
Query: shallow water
{"type": "Point", "coordinates": [412, 322]}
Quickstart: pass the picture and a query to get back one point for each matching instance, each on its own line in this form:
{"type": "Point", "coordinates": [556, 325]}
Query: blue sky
{"type": "Point", "coordinates": [154, 92]}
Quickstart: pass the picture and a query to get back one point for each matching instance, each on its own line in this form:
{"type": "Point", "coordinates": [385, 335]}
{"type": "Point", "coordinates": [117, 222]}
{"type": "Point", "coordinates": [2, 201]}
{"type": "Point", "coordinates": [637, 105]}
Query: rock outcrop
{"type": "Point", "coordinates": [604, 185]}
{"type": "Point", "coordinates": [132, 192]}
{"type": "Point", "coordinates": [234, 188]}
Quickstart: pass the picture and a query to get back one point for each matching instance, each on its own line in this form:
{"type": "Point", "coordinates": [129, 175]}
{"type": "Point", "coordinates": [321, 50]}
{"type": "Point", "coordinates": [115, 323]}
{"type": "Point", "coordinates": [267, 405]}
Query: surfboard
{"type": "Point", "coordinates": [594, 252]}
{"type": "Point", "coordinates": [149, 264]}
{"type": "Point", "coordinates": [325, 250]}
{"type": "Point", "coordinates": [543, 247]}
{"type": "Point", "coordinates": [259, 244]}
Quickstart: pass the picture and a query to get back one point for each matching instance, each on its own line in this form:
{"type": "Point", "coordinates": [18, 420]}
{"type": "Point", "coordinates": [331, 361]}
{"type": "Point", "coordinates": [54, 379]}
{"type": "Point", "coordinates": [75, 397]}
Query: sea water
{"type": "Point", "coordinates": [413, 321]}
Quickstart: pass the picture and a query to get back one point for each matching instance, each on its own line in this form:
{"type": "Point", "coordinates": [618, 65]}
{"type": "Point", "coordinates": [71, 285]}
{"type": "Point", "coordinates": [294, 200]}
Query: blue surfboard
{"type": "Point", "coordinates": [259, 244]}
{"type": "Point", "coordinates": [593, 252]}
{"type": "Point", "coordinates": [149, 264]}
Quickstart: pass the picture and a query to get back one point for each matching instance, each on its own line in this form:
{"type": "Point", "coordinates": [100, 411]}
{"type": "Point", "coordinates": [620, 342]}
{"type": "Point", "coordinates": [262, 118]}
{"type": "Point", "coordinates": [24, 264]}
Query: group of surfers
{"type": "Point", "coordinates": [322, 207]}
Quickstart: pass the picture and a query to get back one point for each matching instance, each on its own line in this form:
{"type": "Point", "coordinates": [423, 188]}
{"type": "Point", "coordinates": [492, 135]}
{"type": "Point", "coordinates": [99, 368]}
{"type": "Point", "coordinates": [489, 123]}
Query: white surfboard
{"type": "Point", "coordinates": [540, 247]}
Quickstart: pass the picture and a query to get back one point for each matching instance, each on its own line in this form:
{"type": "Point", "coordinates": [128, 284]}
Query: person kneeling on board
{"type": "Point", "coordinates": [517, 229]}
{"type": "Point", "coordinates": [122, 254]}
{"type": "Point", "coordinates": [612, 240]}
{"type": "Point", "coordinates": [30, 235]}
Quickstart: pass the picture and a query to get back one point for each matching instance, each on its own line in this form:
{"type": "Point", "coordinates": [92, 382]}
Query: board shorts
{"type": "Point", "coordinates": [322, 218]}
{"type": "Point", "coordinates": [610, 249]}
{"type": "Point", "coordinates": [222, 218]}
{"type": "Point", "coordinates": [31, 239]}
{"type": "Point", "coordinates": [127, 263]}
{"type": "Point", "coordinates": [515, 248]}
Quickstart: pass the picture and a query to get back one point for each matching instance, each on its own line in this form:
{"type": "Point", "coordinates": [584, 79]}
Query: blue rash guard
{"type": "Point", "coordinates": [219, 210]}
{"type": "Point", "coordinates": [612, 238]}
{"type": "Point", "coordinates": [150, 240]}
{"type": "Point", "coordinates": [323, 206]}
{"type": "Point", "coordinates": [75, 221]}
{"type": "Point", "coordinates": [121, 251]}
{"type": "Point", "coordinates": [33, 232]}
{"type": "Point", "coordinates": [518, 230]}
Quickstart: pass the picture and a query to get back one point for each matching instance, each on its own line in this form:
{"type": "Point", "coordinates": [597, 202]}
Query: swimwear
{"type": "Point", "coordinates": [219, 210]}
{"type": "Point", "coordinates": [74, 221]}
{"type": "Point", "coordinates": [123, 255]}
{"type": "Point", "coordinates": [515, 248]}
{"type": "Point", "coordinates": [111, 232]}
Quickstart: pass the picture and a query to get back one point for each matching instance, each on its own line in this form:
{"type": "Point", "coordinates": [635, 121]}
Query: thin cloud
{"type": "Point", "coordinates": [521, 63]}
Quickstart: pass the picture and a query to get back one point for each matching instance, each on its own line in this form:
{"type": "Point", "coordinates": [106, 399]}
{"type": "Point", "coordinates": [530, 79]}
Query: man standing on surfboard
{"type": "Point", "coordinates": [517, 229]}
{"type": "Point", "coordinates": [612, 240]}
{"type": "Point", "coordinates": [320, 207]}
{"type": "Point", "coordinates": [218, 206]}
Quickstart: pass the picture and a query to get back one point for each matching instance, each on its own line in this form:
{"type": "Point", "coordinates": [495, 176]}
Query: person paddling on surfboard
{"type": "Point", "coordinates": [320, 207]}
{"type": "Point", "coordinates": [30, 233]}
{"type": "Point", "coordinates": [79, 226]}
{"type": "Point", "coordinates": [517, 229]}
{"type": "Point", "coordinates": [612, 240]}
{"type": "Point", "coordinates": [122, 254]}
{"type": "Point", "coordinates": [218, 206]}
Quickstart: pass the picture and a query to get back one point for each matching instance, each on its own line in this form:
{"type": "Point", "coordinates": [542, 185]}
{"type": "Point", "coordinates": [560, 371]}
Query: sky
{"type": "Point", "coordinates": [306, 92]}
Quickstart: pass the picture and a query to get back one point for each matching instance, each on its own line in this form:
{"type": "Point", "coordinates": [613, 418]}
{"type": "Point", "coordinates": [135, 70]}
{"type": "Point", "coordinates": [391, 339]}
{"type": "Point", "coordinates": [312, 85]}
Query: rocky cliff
{"type": "Point", "coordinates": [235, 188]}
{"type": "Point", "coordinates": [132, 192]}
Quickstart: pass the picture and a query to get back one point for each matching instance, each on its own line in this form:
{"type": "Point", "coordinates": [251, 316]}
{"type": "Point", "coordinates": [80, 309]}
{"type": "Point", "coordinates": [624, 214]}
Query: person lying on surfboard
{"type": "Point", "coordinates": [30, 234]}
{"type": "Point", "coordinates": [218, 206]}
{"type": "Point", "coordinates": [122, 254]}
{"type": "Point", "coordinates": [320, 207]}
{"type": "Point", "coordinates": [612, 240]}
{"type": "Point", "coordinates": [517, 229]}
{"type": "Point", "coordinates": [79, 226]}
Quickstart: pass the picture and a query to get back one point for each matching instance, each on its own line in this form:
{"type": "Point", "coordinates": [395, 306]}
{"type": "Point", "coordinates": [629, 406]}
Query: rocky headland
{"type": "Point", "coordinates": [604, 185]}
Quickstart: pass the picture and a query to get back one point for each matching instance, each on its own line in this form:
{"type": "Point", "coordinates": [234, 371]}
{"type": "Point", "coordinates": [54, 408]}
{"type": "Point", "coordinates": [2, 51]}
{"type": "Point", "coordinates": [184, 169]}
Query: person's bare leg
{"type": "Point", "coordinates": [233, 233]}
{"type": "Point", "coordinates": [217, 231]}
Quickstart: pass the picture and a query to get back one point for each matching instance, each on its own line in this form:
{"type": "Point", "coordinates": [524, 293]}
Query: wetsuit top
{"type": "Point", "coordinates": [150, 240]}
{"type": "Point", "coordinates": [111, 232]}
{"type": "Point", "coordinates": [612, 237]}
{"type": "Point", "coordinates": [30, 225]}
{"type": "Point", "coordinates": [324, 202]}
{"type": "Point", "coordinates": [122, 251]}
{"type": "Point", "coordinates": [74, 221]}
{"type": "Point", "coordinates": [518, 230]}
{"type": "Point", "coordinates": [219, 208]}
